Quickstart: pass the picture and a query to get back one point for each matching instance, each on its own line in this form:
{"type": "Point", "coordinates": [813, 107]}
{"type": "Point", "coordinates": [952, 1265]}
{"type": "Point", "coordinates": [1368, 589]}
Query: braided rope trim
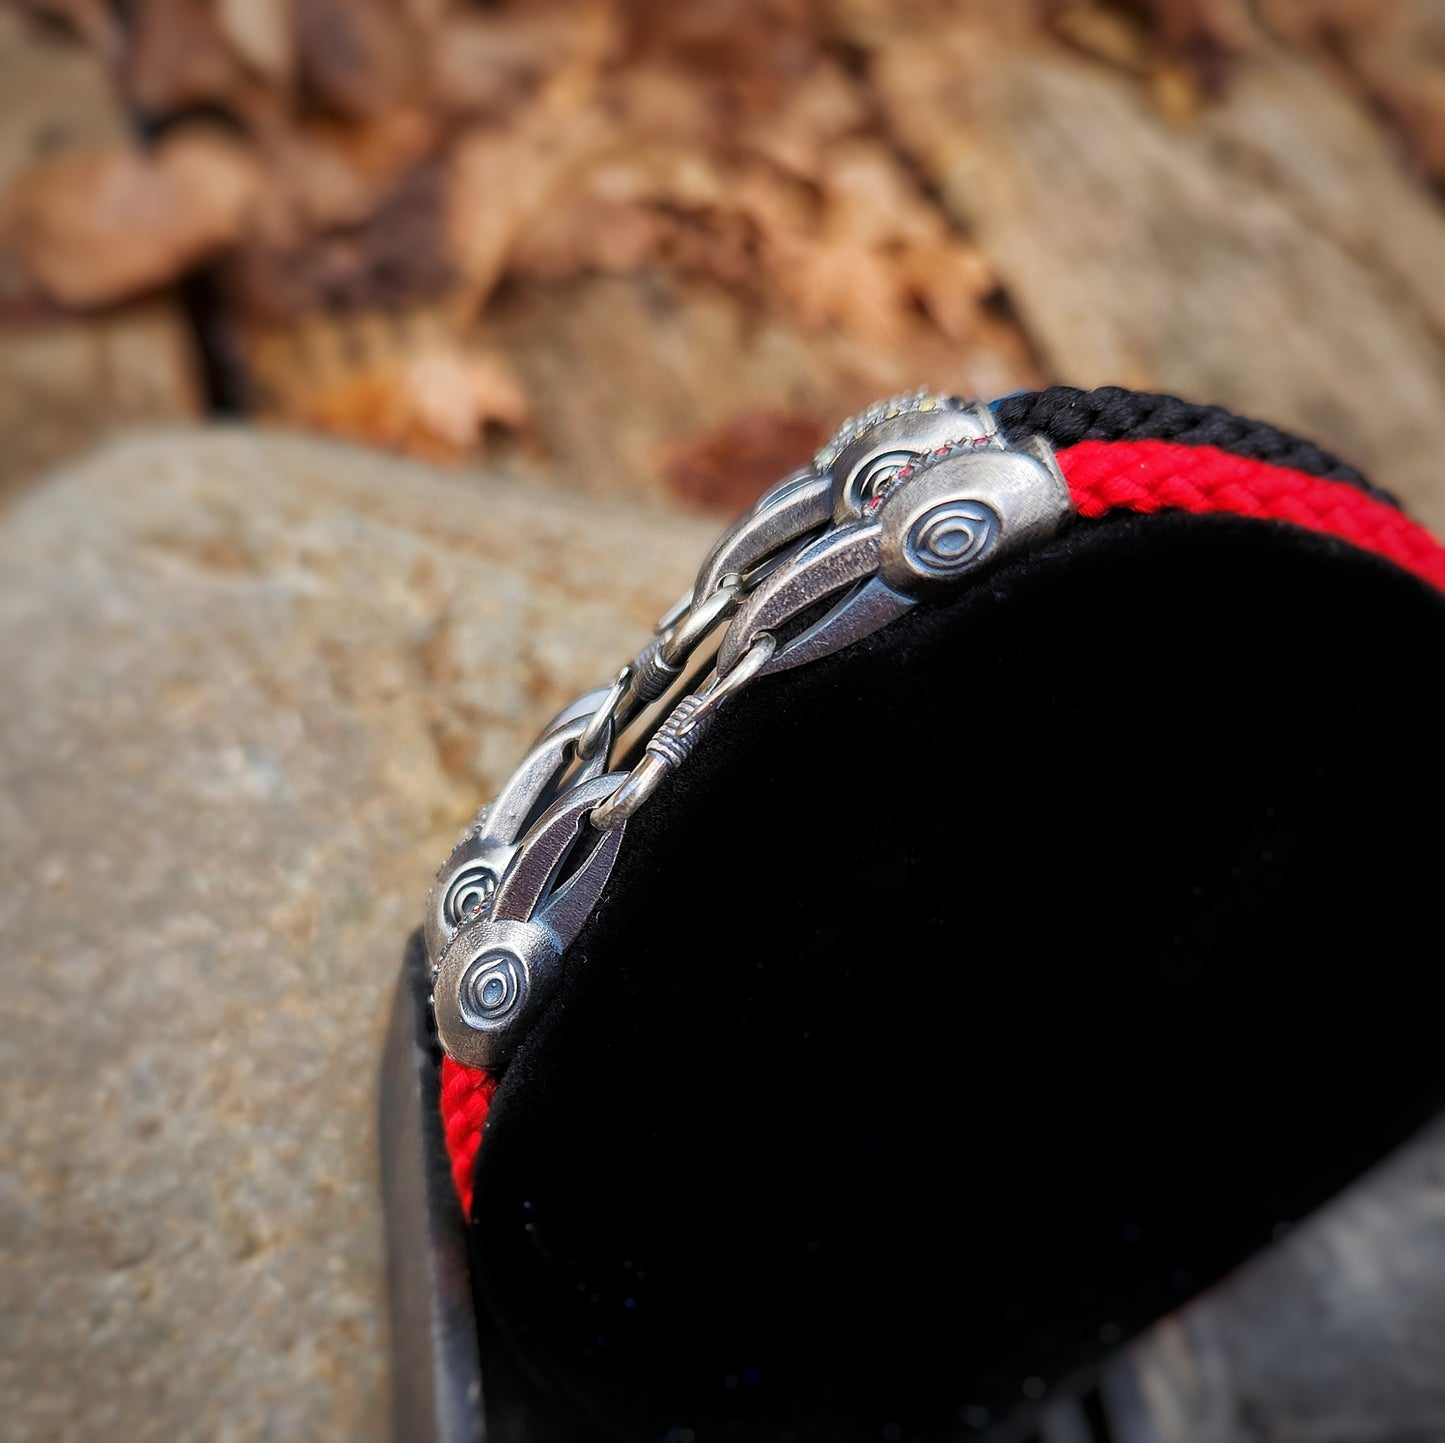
{"type": "Point", "coordinates": [465, 1101]}
{"type": "Point", "coordinates": [1146, 475]}
{"type": "Point", "coordinates": [1066, 416]}
{"type": "Point", "coordinates": [1149, 476]}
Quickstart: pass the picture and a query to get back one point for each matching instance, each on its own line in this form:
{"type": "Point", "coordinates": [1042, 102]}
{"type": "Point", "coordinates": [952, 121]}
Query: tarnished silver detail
{"type": "Point", "coordinates": [688, 720]}
{"type": "Point", "coordinates": [950, 537]}
{"type": "Point", "coordinates": [652, 673]}
{"type": "Point", "coordinates": [587, 708]}
{"type": "Point", "coordinates": [674, 613]}
{"type": "Point", "coordinates": [684, 638]}
{"type": "Point", "coordinates": [493, 986]}
{"type": "Point", "coordinates": [975, 504]}
{"type": "Point", "coordinates": [470, 876]}
{"type": "Point", "coordinates": [674, 740]}
{"type": "Point", "coordinates": [835, 562]}
{"type": "Point", "coordinates": [797, 505]}
{"type": "Point", "coordinates": [867, 459]}
{"type": "Point", "coordinates": [497, 971]}
{"type": "Point", "coordinates": [597, 734]}
{"type": "Point", "coordinates": [913, 495]}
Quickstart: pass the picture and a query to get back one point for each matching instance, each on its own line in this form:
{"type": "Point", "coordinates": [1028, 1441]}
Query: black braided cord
{"type": "Point", "coordinates": [1065, 415]}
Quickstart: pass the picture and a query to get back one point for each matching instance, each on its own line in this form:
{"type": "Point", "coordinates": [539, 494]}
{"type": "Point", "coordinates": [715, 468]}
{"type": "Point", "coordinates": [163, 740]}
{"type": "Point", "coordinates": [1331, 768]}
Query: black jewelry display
{"type": "Point", "coordinates": [977, 996]}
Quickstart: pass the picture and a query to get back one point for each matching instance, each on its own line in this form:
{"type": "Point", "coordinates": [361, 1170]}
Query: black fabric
{"type": "Point", "coordinates": [1065, 415]}
{"type": "Point", "coordinates": [980, 991]}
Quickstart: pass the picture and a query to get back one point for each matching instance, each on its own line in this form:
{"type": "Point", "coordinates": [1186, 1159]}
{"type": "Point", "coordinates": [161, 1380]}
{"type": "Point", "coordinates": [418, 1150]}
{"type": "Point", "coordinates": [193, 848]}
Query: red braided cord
{"type": "Point", "coordinates": [1106, 476]}
{"type": "Point", "coordinates": [1165, 476]}
{"type": "Point", "coordinates": [466, 1096]}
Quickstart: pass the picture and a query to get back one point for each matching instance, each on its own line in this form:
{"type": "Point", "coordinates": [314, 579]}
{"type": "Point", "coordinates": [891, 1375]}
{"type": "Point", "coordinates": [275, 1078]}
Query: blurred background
{"type": "Point", "coordinates": [657, 249]}
{"type": "Point", "coordinates": [374, 372]}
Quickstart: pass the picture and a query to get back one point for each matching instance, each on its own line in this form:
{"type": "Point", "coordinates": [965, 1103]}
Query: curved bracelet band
{"type": "Point", "coordinates": [1122, 450]}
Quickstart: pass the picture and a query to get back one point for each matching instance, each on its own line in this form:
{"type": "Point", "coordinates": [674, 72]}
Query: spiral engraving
{"type": "Point", "coordinates": [952, 537]}
{"type": "Point", "coordinates": [877, 475]}
{"type": "Point", "coordinates": [492, 989]}
{"type": "Point", "coordinates": [469, 894]}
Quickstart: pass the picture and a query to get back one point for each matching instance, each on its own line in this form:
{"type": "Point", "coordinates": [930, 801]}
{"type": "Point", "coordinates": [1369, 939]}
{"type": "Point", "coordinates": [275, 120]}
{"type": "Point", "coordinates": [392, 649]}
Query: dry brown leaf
{"type": "Point", "coordinates": [876, 255]}
{"type": "Point", "coordinates": [326, 173]}
{"type": "Point", "coordinates": [260, 32]}
{"type": "Point", "coordinates": [395, 257]}
{"type": "Point", "coordinates": [651, 99]}
{"type": "Point", "coordinates": [97, 226]}
{"type": "Point", "coordinates": [402, 382]}
{"type": "Point", "coordinates": [1104, 33]}
{"type": "Point", "coordinates": [727, 468]}
{"type": "Point", "coordinates": [749, 54]}
{"type": "Point", "coordinates": [488, 64]}
{"type": "Point", "coordinates": [592, 234]}
{"type": "Point", "coordinates": [358, 57]}
{"type": "Point", "coordinates": [497, 184]}
{"type": "Point", "coordinates": [924, 84]}
{"type": "Point", "coordinates": [93, 21]}
{"type": "Point", "coordinates": [822, 108]}
{"type": "Point", "coordinates": [176, 58]}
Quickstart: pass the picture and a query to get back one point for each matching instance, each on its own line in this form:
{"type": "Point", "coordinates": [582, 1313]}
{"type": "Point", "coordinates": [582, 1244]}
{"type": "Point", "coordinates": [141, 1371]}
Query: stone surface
{"type": "Point", "coordinates": [253, 686]}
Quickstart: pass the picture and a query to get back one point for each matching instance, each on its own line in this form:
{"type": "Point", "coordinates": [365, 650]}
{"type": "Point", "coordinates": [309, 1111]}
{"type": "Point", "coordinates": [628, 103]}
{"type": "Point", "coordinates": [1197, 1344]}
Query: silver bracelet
{"type": "Point", "coordinates": [911, 497]}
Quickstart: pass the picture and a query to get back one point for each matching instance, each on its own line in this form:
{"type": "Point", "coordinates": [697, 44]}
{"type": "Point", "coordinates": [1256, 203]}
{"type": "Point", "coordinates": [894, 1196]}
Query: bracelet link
{"type": "Point", "coordinates": [912, 495]}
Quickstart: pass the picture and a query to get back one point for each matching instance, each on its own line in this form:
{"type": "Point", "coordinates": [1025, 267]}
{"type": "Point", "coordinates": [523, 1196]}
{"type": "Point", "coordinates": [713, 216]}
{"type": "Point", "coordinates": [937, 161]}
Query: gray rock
{"type": "Point", "coordinates": [252, 687]}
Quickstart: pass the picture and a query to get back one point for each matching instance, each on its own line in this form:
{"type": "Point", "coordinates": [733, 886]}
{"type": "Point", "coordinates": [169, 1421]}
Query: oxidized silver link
{"type": "Point", "coordinates": [664, 659]}
{"type": "Point", "coordinates": [674, 740]}
{"type": "Point", "coordinates": [753, 664]}
{"type": "Point", "coordinates": [469, 878]}
{"type": "Point", "coordinates": [684, 727]}
{"type": "Point", "coordinates": [600, 725]}
{"type": "Point", "coordinates": [682, 640]}
{"type": "Point", "coordinates": [789, 511]}
{"type": "Point", "coordinates": [914, 494]}
{"type": "Point", "coordinates": [496, 972]}
{"type": "Point", "coordinates": [652, 674]}
{"type": "Point", "coordinates": [674, 613]}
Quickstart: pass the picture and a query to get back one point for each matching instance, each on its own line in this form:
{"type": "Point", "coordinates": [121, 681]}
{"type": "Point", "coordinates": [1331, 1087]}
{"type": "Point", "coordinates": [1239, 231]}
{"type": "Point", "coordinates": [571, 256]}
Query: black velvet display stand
{"type": "Point", "coordinates": [976, 995]}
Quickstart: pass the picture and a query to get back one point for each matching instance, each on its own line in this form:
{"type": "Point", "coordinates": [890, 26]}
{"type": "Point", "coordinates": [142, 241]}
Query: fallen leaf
{"type": "Point", "coordinates": [402, 381]}
{"type": "Point", "coordinates": [825, 106]}
{"type": "Point", "coordinates": [96, 226]}
{"type": "Point", "coordinates": [488, 64]}
{"type": "Point", "coordinates": [396, 256]}
{"type": "Point", "coordinates": [358, 58]}
{"type": "Point", "coordinates": [260, 32]}
{"type": "Point", "coordinates": [93, 21]}
{"type": "Point", "coordinates": [727, 468]}
{"type": "Point", "coordinates": [326, 173]}
{"type": "Point", "coordinates": [176, 58]}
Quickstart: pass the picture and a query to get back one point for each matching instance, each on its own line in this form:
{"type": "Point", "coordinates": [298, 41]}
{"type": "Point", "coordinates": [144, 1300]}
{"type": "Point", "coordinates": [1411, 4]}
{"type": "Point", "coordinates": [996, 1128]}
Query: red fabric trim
{"type": "Point", "coordinates": [466, 1098]}
{"type": "Point", "coordinates": [1165, 476]}
{"type": "Point", "coordinates": [1105, 476]}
